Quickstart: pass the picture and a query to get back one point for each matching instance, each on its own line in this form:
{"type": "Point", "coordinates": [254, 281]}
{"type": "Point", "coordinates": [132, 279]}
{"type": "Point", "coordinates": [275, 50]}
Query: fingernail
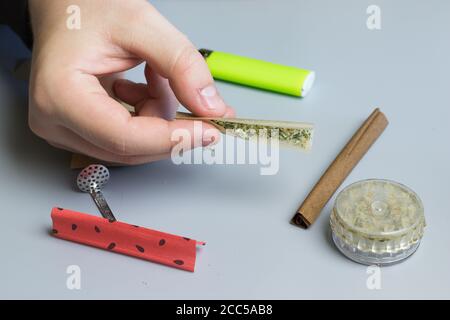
{"type": "Point", "coordinates": [229, 113]}
{"type": "Point", "coordinates": [207, 141]}
{"type": "Point", "coordinates": [211, 98]}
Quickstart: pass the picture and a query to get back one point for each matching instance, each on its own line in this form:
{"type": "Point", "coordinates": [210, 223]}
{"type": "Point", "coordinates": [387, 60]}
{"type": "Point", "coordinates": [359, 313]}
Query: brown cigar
{"type": "Point", "coordinates": [336, 173]}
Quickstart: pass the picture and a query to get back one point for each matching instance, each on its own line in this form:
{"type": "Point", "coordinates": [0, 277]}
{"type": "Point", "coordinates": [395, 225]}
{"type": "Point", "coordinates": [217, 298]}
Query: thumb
{"type": "Point", "coordinates": [172, 55]}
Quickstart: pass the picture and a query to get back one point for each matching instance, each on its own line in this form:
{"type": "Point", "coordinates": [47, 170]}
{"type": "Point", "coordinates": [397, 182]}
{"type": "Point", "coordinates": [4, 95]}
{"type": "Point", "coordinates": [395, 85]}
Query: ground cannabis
{"type": "Point", "coordinates": [294, 134]}
{"type": "Point", "coordinates": [298, 137]}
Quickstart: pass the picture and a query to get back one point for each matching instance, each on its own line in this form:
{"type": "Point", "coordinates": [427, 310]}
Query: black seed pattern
{"type": "Point", "coordinates": [74, 227]}
{"type": "Point", "coordinates": [60, 209]}
{"type": "Point", "coordinates": [162, 242]}
{"type": "Point", "coordinates": [140, 248]}
{"type": "Point", "coordinates": [111, 246]}
{"type": "Point", "coordinates": [54, 231]}
{"type": "Point", "coordinates": [187, 239]}
{"type": "Point", "coordinates": [97, 229]}
{"type": "Point", "coordinates": [178, 262]}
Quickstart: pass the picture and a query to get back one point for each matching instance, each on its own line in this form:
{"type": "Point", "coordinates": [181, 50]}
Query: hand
{"type": "Point", "coordinates": [71, 108]}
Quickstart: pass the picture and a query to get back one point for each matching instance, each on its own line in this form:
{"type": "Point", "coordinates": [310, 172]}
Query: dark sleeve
{"type": "Point", "coordinates": [14, 13]}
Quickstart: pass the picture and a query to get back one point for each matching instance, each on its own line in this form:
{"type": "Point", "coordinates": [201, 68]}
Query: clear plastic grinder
{"type": "Point", "coordinates": [377, 222]}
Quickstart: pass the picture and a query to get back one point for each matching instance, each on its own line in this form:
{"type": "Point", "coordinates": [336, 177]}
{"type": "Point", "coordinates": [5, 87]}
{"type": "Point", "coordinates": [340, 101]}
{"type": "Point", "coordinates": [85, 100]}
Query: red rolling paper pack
{"type": "Point", "coordinates": [120, 237]}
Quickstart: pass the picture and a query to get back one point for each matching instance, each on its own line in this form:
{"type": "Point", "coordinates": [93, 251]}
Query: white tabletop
{"type": "Point", "coordinates": [252, 251]}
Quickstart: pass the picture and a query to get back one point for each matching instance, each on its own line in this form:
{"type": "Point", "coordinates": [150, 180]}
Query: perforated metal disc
{"type": "Point", "coordinates": [93, 178]}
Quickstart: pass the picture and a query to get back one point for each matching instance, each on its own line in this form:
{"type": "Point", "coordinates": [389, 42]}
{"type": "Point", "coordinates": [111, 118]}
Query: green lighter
{"type": "Point", "coordinates": [259, 74]}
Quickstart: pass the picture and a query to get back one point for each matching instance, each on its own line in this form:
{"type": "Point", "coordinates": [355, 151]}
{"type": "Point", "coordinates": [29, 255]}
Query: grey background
{"type": "Point", "coordinates": [252, 250]}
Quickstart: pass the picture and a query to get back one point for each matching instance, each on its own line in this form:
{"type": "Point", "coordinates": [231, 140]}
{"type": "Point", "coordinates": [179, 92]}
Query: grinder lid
{"type": "Point", "coordinates": [379, 208]}
{"type": "Point", "coordinates": [377, 222]}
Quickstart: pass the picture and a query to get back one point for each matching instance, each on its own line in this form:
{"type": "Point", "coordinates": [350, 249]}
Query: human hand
{"type": "Point", "coordinates": [71, 109]}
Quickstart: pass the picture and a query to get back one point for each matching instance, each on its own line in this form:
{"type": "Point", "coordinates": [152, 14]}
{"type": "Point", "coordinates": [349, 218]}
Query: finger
{"type": "Point", "coordinates": [175, 58]}
{"type": "Point", "coordinates": [131, 92]}
{"type": "Point", "coordinates": [164, 103]}
{"type": "Point", "coordinates": [108, 81]}
{"type": "Point", "coordinates": [63, 138]}
{"type": "Point", "coordinates": [229, 113]}
{"type": "Point", "coordinates": [92, 114]}
{"type": "Point", "coordinates": [137, 95]}
{"type": "Point", "coordinates": [158, 86]}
